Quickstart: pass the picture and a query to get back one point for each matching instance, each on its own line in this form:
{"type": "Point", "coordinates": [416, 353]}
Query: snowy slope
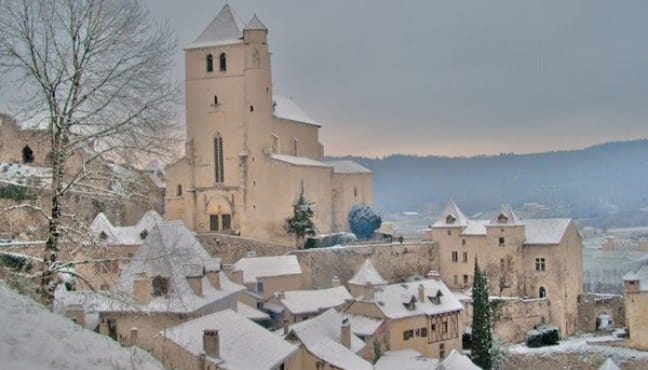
{"type": "Point", "coordinates": [31, 337]}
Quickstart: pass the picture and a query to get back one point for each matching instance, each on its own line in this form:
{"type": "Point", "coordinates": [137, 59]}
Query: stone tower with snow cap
{"type": "Point", "coordinates": [248, 150]}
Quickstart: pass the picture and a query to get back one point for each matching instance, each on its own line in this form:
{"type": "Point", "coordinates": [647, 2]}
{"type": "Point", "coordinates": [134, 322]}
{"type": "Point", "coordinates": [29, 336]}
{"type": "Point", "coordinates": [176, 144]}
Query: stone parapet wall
{"type": "Point", "coordinates": [231, 248]}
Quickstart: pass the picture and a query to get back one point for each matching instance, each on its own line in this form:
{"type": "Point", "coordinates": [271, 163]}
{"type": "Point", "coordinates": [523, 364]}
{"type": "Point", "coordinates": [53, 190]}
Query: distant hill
{"type": "Point", "coordinates": [592, 182]}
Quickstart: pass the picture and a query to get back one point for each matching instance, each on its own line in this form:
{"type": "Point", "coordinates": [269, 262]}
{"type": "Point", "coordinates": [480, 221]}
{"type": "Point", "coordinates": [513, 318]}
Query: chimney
{"type": "Point", "coordinates": [368, 291]}
{"type": "Point", "coordinates": [133, 336]}
{"type": "Point", "coordinates": [142, 288]}
{"type": "Point", "coordinates": [211, 343]}
{"type": "Point", "coordinates": [195, 283]}
{"type": "Point", "coordinates": [335, 281]}
{"type": "Point", "coordinates": [433, 275]}
{"type": "Point", "coordinates": [281, 295]}
{"type": "Point", "coordinates": [76, 313]}
{"type": "Point", "coordinates": [421, 293]}
{"type": "Point", "coordinates": [212, 270]}
{"type": "Point", "coordinates": [286, 328]}
{"type": "Point", "coordinates": [345, 335]}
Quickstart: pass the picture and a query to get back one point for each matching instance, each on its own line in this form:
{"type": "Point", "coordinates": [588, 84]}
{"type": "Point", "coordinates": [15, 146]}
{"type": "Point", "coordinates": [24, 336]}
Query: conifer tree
{"type": "Point", "coordinates": [482, 341]}
{"type": "Point", "coordinates": [301, 223]}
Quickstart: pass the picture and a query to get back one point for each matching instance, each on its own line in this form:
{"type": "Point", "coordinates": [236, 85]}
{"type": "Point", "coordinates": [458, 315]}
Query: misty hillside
{"type": "Point", "coordinates": [593, 182]}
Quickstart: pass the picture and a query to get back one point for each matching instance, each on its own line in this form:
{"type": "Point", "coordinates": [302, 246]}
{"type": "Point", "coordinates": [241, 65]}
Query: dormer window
{"type": "Point", "coordinates": [103, 235]}
{"type": "Point", "coordinates": [450, 219]}
{"type": "Point", "coordinates": [143, 234]}
{"type": "Point", "coordinates": [160, 286]}
{"type": "Point", "coordinates": [210, 63]}
{"type": "Point", "coordinates": [501, 219]}
{"type": "Point", "coordinates": [411, 304]}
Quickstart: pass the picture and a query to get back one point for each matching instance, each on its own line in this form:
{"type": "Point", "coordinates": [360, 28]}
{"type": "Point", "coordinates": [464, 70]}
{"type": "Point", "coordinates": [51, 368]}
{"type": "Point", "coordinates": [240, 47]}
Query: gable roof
{"type": "Point", "coordinates": [298, 161]}
{"type": "Point", "coordinates": [313, 301]}
{"type": "Point", "coordinates": [255, 24]}
{"type": "Point", "coordinates": [367, 273]}
{"type": "Point", "coordinates": [259, 267]}
{"type": "Point", "coordinates": [609, 365]}
{"type": "Point", "coordinates": [124, 235]}
{"type": "Point", "coordinates": [457, 361]}
{"type": "Point", "coordinates": [451, 216]}
{"type": "Point", "coordinates": [391, 299]}
{"type": "Point", "coordinates": [226, 28]}
{"type": "Point", "coordinates": [406, 359]}
{"type": "Point", "coordinates": [641, 276]}
{"type": "Point", "coordinates": [363, 325]}
{"type": "Point", "coordinates": [545, 231]}
{"type": "Point", "coordinates": [505, 217]}
{"type": "Point", "coordinates": [321, 336]}
{"type": "Point", "coordinates": [243, 344]}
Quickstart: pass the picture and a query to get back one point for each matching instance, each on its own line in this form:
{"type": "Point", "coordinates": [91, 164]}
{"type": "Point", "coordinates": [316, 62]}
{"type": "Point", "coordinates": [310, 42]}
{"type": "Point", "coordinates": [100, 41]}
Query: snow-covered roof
{"type": "Point", "coordinates": [32, 337]}
{"type": "Point", "coordinates": [298, 161]}
{"type": "Point", "coordinates": [641, 276]}
{"type": "Point", "coordinates": [609, 365]}
{"type": "Point", "coordinates": [243, 344]}
{"type": "Point", "coordinates": [21, 174]}
{"type": "Point", "coordinates": [367, 273]}
{"type": "Point", "coordinates": [226, 28]}
{"type": "Point", "coordinates": [286, 108]}
{"type": "Point", "coordinates": [255, 24]}
{"type": "Point", "coordinates": [457, 361]}
{"type": "Point", "coordinates": [321, 336]}
{"type": "Point", "coordinates": [251, 312]}
{"type": "Point", "coordinates": [363, 325]}
{"type": "Point", "coordinates": [392, 299]}
{"type": "Point", "coordinates": [475, 227]}
{"type": "Point", "coordinates": [405, 359]}
{"type": "Point", "coordinates": [347, 167]}
{"type": "Point", "coordinates": [170, 251]}
{"type": "Point", "coordinates": [300, 302]}
{"type": "Point", "coordinates": [545, 231]}
{"type": "Point", "coordinates": [505, 217]}
{"type": "Point", "coordinates": [260, 267]}
{"type": "Point", "coordinates": [124, 235]}
{"type": "Point", "coordinates": [451, 216]}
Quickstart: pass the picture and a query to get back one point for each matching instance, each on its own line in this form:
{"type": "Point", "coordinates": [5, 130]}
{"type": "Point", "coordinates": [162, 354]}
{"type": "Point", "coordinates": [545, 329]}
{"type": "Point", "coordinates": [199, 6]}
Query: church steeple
{"type": "Point", "coordinates": [225, 28]}
{"type": "Point", "coordinates": [255, 24]}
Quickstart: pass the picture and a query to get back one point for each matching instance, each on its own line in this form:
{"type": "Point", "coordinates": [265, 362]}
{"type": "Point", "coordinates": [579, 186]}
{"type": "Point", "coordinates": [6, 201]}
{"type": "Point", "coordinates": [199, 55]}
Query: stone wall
{"type": "Point", "coordinates": [394, 262]}
{"type": "Point", "coordinates": [592, 305]}
{"type": "Point", "coordinates": [232, 248]}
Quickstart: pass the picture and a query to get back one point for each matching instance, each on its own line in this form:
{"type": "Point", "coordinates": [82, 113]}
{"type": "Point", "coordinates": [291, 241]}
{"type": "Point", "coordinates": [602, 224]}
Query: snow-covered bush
{"type": "Point", "coordinates": [545, 335]}
{"type": "Point", "coordinates": [364, 220]}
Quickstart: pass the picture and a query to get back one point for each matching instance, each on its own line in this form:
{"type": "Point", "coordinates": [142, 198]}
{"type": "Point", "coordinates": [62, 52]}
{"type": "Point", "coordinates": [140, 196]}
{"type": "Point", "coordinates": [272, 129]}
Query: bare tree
{"type": "Point", "coordinates": [94, 75]}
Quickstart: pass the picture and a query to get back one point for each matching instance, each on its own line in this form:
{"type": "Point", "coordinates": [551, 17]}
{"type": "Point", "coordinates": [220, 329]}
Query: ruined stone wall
{"type": "Point", "coordinates": [394, 262]}
{"type": "Point", "coordinates": [591, 305]}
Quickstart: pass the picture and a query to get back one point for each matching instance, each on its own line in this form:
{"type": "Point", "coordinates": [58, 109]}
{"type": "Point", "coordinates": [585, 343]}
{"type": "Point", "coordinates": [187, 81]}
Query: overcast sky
{"type": "Point", "coordinates": [450, 77]}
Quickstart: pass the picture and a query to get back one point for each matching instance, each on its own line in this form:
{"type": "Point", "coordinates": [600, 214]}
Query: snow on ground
{"type": "Point", "coordinates": [581, 344]}
{"type": "Point", "coordinates": [31, 337]}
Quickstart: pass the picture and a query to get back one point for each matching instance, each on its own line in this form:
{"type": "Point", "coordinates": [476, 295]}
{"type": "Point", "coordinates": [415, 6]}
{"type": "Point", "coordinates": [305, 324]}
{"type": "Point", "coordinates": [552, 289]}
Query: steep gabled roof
{"type": "Point", "coordinates": [457, 361]}
{"type": "Point", "coordinates": [451, 216]}
{"type": "Point", "coordinates": [393, 300]}
{"type": "Point", "coordinates": [226, 28]}
{"type": "Point", "coordinates": [124, 235]}
{"type": "Point", "coordinates": [609, 365]}
{"type": "Point", "coordinates": [286, 108]}
{"type": "Point", "coordinates": [255, 24]}
{"type": "Point", "coordinates": [321, 336]}
{"type": "Point", "coordinates": [367, 273]}
{"type": "Point", "coordinates": [505, 217]}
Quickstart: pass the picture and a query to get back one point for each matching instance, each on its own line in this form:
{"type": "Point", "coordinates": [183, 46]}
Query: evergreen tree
{"type": "Point", "coordinates": [482, 341]}
{"type": "Point", "coordinates": [301, 223]}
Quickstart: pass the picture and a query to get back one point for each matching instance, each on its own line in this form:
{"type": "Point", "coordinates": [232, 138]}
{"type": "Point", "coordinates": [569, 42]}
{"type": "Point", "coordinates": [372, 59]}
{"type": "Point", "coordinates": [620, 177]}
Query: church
{"type": "Point", "coordinates": [250, 152]}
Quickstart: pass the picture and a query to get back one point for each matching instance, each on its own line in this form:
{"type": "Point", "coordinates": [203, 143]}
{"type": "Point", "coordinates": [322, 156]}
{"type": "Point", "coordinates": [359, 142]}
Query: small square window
{"type": "Point", "coordinates": [501, 241]}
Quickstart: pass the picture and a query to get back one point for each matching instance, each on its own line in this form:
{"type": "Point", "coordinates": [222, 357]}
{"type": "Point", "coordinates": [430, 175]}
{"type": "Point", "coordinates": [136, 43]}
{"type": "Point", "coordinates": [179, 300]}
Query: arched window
{"type": "Point", "coordinates": [27, 154]}
{"type": "Point", "coordinates": [223, 62]}
{"type": "Point", "coordinates": [210, 63]}
{"type": "Point", "coordinates": [218, 158]}
{"type": "Point", "coordinates": [542, 293]}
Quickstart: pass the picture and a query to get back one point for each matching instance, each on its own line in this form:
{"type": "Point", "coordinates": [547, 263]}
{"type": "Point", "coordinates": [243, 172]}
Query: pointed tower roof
{"type": "Point", "coordinates": [255, 24]}
{"type": "Point", "coordinates": [367, 273]}
{"type": "Point", "coordinates": [225, 28]}
{"type": "Point", "coordinates": [451, 216]}
{"type": "Point", "coordinates": [505, 216]}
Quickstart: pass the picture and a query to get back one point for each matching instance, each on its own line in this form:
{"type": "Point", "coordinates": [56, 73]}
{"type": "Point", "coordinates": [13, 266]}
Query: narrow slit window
{"type": "Point", "coordinates": [218, 158]}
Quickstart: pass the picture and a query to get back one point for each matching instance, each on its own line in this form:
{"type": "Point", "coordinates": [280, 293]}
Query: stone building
{"type": "Point", "coordinates": [636, 300]}
{"type": "Point", "coordinates": [421, 315]}
{"type": "Point", "coordinates": [289, 307]}
{"type": "Point", "coordinates": [263, 276]}
{"type": "Point", "coordinates": [171, 279]}
{"type": "Point", "coordinates": [249, 152]}
{"type": "Point", "coordinates": [524, 259]}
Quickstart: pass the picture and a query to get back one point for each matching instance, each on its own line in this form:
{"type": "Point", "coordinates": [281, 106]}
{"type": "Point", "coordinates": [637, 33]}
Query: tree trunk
{"type": "Point", "coordinates": [52, 246]}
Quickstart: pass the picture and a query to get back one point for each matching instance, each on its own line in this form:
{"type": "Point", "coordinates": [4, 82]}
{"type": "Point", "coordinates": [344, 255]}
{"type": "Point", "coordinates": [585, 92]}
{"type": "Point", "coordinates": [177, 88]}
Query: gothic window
{"type": "Point", "coordinates": [27, 154]}
{"type": "Point", "coordinates": [223, 62]}
{"type": "Point", "coordinates": [542, 293]}
{"type": "Point", "coordinates": [218, 158]}
{"type": "Point", "coordinates": [210, 63]}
